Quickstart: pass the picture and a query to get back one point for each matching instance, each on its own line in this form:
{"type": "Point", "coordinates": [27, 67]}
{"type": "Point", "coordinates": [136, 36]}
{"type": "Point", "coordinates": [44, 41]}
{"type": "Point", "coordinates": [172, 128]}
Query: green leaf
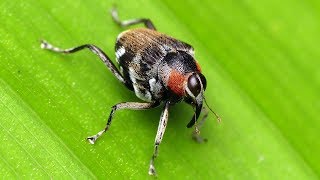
{"type": "Point", "coordinates": [260, 58]}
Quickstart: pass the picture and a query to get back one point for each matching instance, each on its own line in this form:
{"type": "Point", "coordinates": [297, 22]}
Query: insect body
{"type": "Point", "coordinates": [158, 68]}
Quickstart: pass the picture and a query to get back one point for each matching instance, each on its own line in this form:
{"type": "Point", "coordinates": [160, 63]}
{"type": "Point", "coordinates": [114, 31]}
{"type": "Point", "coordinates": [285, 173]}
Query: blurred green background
{"type": "Point", "coordinates": [261, 60]}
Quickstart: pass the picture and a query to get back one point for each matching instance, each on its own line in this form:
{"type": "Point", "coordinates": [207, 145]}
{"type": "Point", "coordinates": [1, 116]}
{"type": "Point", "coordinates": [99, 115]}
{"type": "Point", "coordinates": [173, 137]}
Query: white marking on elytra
{"type": "Point", "coordinates": [152, 83]}
{"type": "Point", "coordinates": [191, 52]}
{"type": "Point", "coordinates": [146, 96]}
{"type": "Point", "coordinates": [131, 75]}
{"type": "Point", "coordinates": [120, 52]}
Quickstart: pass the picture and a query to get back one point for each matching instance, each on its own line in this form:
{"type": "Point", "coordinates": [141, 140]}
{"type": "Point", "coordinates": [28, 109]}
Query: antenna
{"type": "Point", "coordinates": [217, 116]}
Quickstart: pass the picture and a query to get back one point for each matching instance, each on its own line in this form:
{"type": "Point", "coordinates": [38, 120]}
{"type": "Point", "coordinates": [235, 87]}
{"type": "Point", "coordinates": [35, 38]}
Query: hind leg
{"type": "Point", "coordinates": [147, 22]}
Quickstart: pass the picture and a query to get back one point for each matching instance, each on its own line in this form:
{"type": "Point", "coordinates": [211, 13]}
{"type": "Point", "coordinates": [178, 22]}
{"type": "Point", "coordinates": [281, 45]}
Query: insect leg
{"type": "Point", "coordinates": [124, 105]}
{"type": "Point", "coordinates": [196, 133]}
{"type": "Point", "coordinates": [106, 60]}
{"type": "Point", "coordinates": [161, 129]}
{"type": "Point", "coordinates": [147, 22]}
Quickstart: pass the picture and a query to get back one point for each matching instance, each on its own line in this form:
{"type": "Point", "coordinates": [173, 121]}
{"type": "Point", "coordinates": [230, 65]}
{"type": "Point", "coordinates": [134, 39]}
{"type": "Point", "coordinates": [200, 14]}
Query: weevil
{"type": "Point", "coordinates": [158, 68]}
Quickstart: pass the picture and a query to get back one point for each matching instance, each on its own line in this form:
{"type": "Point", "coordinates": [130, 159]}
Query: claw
{"type": "Point", "coordinates": [152, 170]}
{"type": "Point", "coordinates": [92, 139]}
{"type": "Point", "coordinates": [196, 136]}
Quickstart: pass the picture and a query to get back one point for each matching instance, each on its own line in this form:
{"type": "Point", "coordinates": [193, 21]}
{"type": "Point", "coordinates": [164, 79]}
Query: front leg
{"type": "Point", "coordinates": [196, 132]}
{"type": "Point", "coordinates": [161, 129]}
